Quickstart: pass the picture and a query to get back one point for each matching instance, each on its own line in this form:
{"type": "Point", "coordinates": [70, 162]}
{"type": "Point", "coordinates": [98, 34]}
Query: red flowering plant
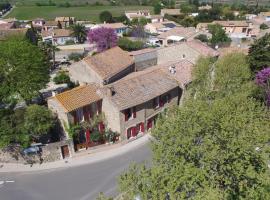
{"type": "Point", "coordinates": [104, 38]}
{"type": "Point", "coordinates": [263, 81]}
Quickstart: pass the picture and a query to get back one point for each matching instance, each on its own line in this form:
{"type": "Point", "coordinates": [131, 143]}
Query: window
{"type": "Point", "coordinates": [130, 113]}
{"type": "Point", "coordinates": [156, 102]}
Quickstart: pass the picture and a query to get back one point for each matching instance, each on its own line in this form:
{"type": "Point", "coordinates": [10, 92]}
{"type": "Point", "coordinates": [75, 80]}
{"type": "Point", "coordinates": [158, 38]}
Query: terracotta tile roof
{"type": "Point", "coordinates": [110, 62]}
{"type": "Point", "coordinates": [202, 48]}
{"type": "Point", "coordinates": [183, 71]}
{"type": "Point", "coordinates": [50, 23]}
{"type": "Point", "coordinates": [113, 25]}
{"type": "Point", "coordinates": [179, 31]}
{"type": "Point", "coordinates": [78, 97]}
{"type": "Point", "coordinates": [142, 51]}
{"type": "Point", "coordinates": [232, 23]}
{"type": "Point", "coordinates": [140, 87]}
{"type": "Point", "coordinates": [57, 33]}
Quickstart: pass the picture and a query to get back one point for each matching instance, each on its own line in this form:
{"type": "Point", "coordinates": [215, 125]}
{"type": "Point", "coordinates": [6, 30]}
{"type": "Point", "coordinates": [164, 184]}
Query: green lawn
{"type": "Point", "coordinates": [84, 12]}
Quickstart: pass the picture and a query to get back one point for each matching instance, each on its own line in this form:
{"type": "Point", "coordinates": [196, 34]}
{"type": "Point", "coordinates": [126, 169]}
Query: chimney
{"type": "Point", "coordinates": [110, 91]}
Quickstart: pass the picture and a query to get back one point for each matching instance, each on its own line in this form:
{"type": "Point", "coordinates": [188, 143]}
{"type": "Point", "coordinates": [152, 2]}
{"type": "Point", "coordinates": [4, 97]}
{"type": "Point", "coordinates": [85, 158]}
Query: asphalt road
{"type": "Point", "coordinates": [77, 183]}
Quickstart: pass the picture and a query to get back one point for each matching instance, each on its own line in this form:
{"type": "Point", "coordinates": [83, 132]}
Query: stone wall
{"type": "Point", "coordinates": [52, 151]}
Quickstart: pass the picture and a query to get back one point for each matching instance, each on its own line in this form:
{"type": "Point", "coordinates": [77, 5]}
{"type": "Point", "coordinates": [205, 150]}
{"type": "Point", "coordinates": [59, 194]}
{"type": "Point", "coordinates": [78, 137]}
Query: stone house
{"type": "Point", "coordinates": [132, 104]}
{"type": "Point", "coordinates": [119, 28]}
{"type": "Point", "coordinates": [66, 21]}
{"type": "Point", "coordinates": [75, 106]}
{"type": "Point", "coordinates": [191, 51]}
{"type": "Point", "coordinates": [103, 68]}
{"type": "Point", "coordinates": [50, 25]}
{"type": "Point", "coordinates": [138, 14]}
{"type": "Point", "coordinates": [58, 36]}
{"type": "Point", "coordinates": [144, 58]}
{"type": "Point", "coordinates": [177, 34]}
{"type": "Point", "coordinates": [171, 12]}
{"type": "Point", "coordinates": [159, 27]}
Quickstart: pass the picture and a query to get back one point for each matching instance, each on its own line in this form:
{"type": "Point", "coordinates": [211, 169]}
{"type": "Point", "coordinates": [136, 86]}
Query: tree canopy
{"type": "Point", "coordinates": [104, 38]}
{"type": "Point", "coordinates": [214, 146]}
{"type": "Point", "coordinates": [106, 16]}
{"type": "Point", "coordinates": [24, 70]}
{"type": "Point", "coordinates": [79, 31]}
{"type": "Point", "coordinates": [219, 36]}
{"type": "Point", "coordinates": [259, 53]}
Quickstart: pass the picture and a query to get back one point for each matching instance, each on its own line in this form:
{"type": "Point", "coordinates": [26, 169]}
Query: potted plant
{"type": "Point", "coordinates": [95, 137]}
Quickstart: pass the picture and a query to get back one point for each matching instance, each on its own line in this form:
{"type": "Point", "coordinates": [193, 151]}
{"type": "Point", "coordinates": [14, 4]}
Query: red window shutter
{"type": "Point", "coordinates": [126, 116]}
{"type": "Point", "coordinates": [87, 134]}
{"type": "Point", "coordinates": [134, 131]}
{"type": "Point", "coordinates": [134, 112]}
{"type": "Point", "coordinates": [161, 104]}
{"type": "Point", "coordinates": [142, 127]}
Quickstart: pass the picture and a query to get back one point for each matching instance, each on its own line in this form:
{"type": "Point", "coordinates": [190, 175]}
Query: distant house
{"type": "Point", "coordinates": [138, 14]}
{"type": "Point", "coordinates": [76, 106]}
{"type": "Point", "coordinates": [132, 104]}
{"type": "Point", "coordinates": [171, 12]}
{"type": "Point", "coordinates": [66, 21]}
{"type": "Point", "coordinates": [177, 34]}
{"type": "Point", "coordinates": [234, 29]}
{"type": "Point", "coordinates": [159, 27]}
{"type": "Point", "coordinates": [103, 68]}
{"type": "Point", "coordinates": [51, 25]}
{"type": "Point", "coordinates": [157, 19]}
{"type": "Point", "coordinates": [265, 15]}
{"type": "Point", "coordinates": [119, 28]}
{"type": "Point", "coordinates": [58, 36]}
{"type": "Point", "coordinates": [206, 7]}
{"type": "Point", "coordinates": [38, 22]}
{"type": "Point", "coordinates": [237, 29]}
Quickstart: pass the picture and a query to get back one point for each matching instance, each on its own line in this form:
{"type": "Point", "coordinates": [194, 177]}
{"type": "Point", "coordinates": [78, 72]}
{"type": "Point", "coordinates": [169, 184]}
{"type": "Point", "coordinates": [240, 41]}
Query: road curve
{"type": "Point", "coordinates": [76, 183]}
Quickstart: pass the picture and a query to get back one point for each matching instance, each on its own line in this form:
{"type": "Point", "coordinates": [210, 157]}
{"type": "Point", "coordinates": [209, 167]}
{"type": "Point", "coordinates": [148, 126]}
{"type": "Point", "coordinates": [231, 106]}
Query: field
{"type": "Point", "coordinates": [83, 12]}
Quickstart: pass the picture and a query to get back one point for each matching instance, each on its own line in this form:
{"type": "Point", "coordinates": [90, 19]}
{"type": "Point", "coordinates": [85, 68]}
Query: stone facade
{"type": "Point", "coordinates": [116, 118]}
{"type": "Point", "coordinates": [145, 60]}
{"type": "Point", "coordinates": [81, 73]}
{"type": "Point", "coordinates": [53, 151]}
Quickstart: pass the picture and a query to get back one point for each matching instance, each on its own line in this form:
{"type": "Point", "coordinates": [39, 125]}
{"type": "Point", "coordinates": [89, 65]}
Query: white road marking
{"type": "Point", "coordinates": [10, 181]}
{"type": "Point", "coordinates": [2, 182]}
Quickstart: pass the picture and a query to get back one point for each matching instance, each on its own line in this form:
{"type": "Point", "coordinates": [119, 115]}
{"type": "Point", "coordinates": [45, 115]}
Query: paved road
{"type": "Point", "coordinates": [77, 183]}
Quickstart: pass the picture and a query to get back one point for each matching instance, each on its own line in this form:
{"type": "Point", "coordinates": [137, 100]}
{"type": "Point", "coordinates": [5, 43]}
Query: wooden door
{"type": "Point", "coordinates": [65, 151]}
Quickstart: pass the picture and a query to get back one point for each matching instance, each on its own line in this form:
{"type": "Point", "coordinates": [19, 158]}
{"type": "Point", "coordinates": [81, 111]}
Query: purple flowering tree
{"type": "Point", "coordinates": [263, 80]}
{"type": "Point", "coordinates": [104, 38]}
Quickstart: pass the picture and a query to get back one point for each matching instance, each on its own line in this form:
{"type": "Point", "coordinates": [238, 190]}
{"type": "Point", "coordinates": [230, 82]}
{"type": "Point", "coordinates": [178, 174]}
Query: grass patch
{"type": "Point", "coordinates": [81, 13]}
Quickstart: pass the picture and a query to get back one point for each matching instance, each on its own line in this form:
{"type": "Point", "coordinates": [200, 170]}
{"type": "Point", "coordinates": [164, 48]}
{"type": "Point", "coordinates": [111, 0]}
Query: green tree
{"type": "Point", "coordinates": [61, 77]}
{"type": "Point", "coordinates": [79, 31]}
{"type": "Point", "coordinates": [219, 36]}
{"type": "Point", "coordinates": [264, 26]}
{"type": "Point", "coordinates": [24, 70]}
{"type": "Point", "coordinates": [259, 53]}
{"type": "Point", "coordinates": [210, 148]}
{"type": "Point", "coordinates": [105, 16]}
{"type": "Point", "coordinates": [202, 38]}
{"type": "Point", "coordinates": [128, 45]}
{"type": "Point", "coordinates": [38, 120]}
{"type": "Point", "coordinates": [188, 22]}
{"type": "Point", "coordinates": [157, 8]}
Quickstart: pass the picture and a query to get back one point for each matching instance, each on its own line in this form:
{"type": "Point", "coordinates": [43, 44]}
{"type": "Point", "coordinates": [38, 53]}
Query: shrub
{"type": "Point", "coordinates": [128, 45]}
{"type": "Point", "coordinates": [264, 26]}
{"type": "Point", "coordinates": [61, 78]}
{"type": "Point", "coordinates": [69, 42]}
{"type": "Point", "coordinates": [95, 136]}
{"type": "Point", "coordinates": [75, 57]}
{"type": "Point", "coordinates": [202, 38]}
